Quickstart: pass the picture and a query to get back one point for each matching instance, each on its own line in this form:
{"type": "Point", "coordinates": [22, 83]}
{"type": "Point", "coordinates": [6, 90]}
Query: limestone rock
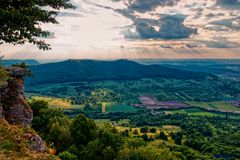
{"type": "Point", "coordinates": [36, 143]}
{"type": "Point", "coordinates": [14, 105]}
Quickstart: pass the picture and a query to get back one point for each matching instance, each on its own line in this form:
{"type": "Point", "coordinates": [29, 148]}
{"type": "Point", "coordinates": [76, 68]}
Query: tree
{"type": "Point", "coordinates": [177, 137]}
{"type": "Point", "coordinates": [38, 105]}
{"type": "Point", "coordinates": [20, 20]}
{"type": "Point", "coordinates": [60, 136]}
{"type": "Point", "coordinates": [82, 130]}
{"type": "Point", "coordinates": [144, 130]}
{"type": "Point", "coordinates": [42, 115]}
{"type": "Point", "coordinates": [152, 130]}
{"type": "Point", "coordinates": [27, 71]}
{"type": "Point", "coordinates": [163, 136]}
{"type": "Point", "coordinates": [145, 137]}
{"type": "Point", "coordinates": [106, 145]}
{"type": "Point", "coordinates": [135, 132]}
{"type": "Point", "coordinates": [136, 142]}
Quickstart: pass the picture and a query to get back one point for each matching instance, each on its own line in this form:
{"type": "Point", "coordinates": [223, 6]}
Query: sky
{"type": "Point", "coordinates": [140, 29]}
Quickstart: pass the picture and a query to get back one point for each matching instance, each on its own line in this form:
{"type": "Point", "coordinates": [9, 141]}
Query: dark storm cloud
{"type": "Point", "coordinates": [212, 15]}
{"type": "Point", "coordinates": [149, 5]}
{"type": "Point", "coordinates": [231, 4]}
{"type": "Point", "coordinates": [170, 27]}
{"type": "Point", "coordinates": [143, 6]}
{"type": "Point", "coordinates": [166, 27]}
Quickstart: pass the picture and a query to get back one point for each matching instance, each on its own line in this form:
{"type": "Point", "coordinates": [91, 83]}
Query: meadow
{"type": "Point", "coordinates": [216, 105]}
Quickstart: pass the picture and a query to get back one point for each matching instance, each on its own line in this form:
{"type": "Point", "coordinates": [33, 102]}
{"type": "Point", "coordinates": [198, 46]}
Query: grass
{"type": "Point", "coordinates": [218, 105]}
{"type": "Point", "coordinates": [192, 112]}
{"type": "Point", "coordinates": [120, 108]}
{"type": "Point", "coordinates": [15, 144]}
{"type": "Point", "coordinates": [54, 102]}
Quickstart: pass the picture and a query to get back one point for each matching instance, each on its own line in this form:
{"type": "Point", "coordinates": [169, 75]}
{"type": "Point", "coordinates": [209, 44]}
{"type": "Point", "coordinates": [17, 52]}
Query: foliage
{"type": "Point", "coordinates": [67, 156]}
{"type": "Point", "coordinates": [27, 71]}
{"type": "Point", "coordinates": [59, 133]}
{"type": "Point", "coordinates": [3, 77]}
{"type": "Point", "coordinates": [152, 130]}
{"type": "Point", "coordinates": [196, 137]}
{"type": "Point", "coordinates": [163, 136]}
{"type": "Point", "coordinates": [144, 130]}
{"type": "Point", "coordinates": [20, 21]}
{"type": "Point", "coordinates": [146, 153]}
{"type": "Point", "coordinates": [107, 144]}
{"type": "Point", "coordinates": [83, 130]}
{"type": "Point", "coordinates": [211, 136]}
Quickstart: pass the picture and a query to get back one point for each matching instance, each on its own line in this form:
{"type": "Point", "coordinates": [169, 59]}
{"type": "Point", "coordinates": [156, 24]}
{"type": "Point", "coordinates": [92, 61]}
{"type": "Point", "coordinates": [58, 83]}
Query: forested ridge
{"type": "Point", "coordinates": [93, 70]}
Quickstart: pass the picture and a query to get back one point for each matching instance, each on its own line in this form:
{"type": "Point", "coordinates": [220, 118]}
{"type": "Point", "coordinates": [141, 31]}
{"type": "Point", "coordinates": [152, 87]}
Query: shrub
{"type": "Point", "coordinates": [67, 156]}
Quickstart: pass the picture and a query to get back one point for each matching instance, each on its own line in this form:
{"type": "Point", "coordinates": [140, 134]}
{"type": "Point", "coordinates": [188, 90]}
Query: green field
{"type": "Point", "coordinates": [219, 105]}
{"type": "Point", "coordinates": [193, 112]}
{"type": "Point", "coordinates": [120, 108]}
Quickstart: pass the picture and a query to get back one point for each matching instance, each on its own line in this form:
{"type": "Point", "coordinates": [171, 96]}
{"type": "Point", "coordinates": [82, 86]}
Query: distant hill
{"type": "Point", "coordinates": [226, 68]}
{"type": "Point", "coordinates": [15, 61]}
{"type": "Point", "coordinates": [91, 70]}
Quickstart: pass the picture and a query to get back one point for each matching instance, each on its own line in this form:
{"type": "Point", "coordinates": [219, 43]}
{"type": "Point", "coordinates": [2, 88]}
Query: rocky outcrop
{"type": "Point", "coordinates": [35, 143]}
{"type": "Point", "coordinates": [14, 107]}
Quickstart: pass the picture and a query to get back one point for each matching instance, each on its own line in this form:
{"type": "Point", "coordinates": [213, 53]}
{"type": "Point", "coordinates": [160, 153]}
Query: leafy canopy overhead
{"type": "Point", "coordinates": [20, 20]}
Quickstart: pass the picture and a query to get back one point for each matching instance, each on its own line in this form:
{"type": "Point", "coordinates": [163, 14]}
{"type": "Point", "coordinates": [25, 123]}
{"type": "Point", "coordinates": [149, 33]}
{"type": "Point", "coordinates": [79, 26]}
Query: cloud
{"type": "Point", "coordinates": [217, 28]}
{"type": "Point", "coordinates": [192, 45]}
{"type": "Point", "coordinates": [172, 27]}
{"type": "Point", "coordinates": [149, 5]}
{"type": "Point", "coordinates": [228, 23]}
{"type": "Point", "coordinates": [167, 27]}
{"type": "Point", "coordinates": [165, 46]}
{"type": "Point", "coordinates": [69, 14]}
{"type": "Point", "coordinates": [221, 42]}
{"type": "Point", "coordinates": [229, 4]}
{"type": "Point", "coordinates": [212, 15]}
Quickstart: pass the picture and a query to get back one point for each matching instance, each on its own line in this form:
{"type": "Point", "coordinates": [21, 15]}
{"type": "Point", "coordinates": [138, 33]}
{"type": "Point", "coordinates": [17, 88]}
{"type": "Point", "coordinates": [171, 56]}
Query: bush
{"type": "Point", "coordinates": [144, 130]}
{"type": "Point", "coordinates": [163, 136]}
{"type": "Point", "coordinates": [152, 130]}
{"type": "Point", "coordinates": [67, 156]}
{"type": "Point", "coordinates": [8, 145]}
{"type": "Point", "coordinates": [135, 132]}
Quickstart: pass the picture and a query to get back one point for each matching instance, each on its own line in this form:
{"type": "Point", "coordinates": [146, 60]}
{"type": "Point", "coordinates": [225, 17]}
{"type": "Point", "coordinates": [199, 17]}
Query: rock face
{"type": "Point", "coordinates": [35, 143]}
{"type": "Point", "coordinates": [13, 106]}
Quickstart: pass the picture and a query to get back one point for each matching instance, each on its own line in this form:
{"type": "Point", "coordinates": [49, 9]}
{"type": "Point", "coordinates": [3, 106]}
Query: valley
{"type": "Point", "coordinates": [152, 107]}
